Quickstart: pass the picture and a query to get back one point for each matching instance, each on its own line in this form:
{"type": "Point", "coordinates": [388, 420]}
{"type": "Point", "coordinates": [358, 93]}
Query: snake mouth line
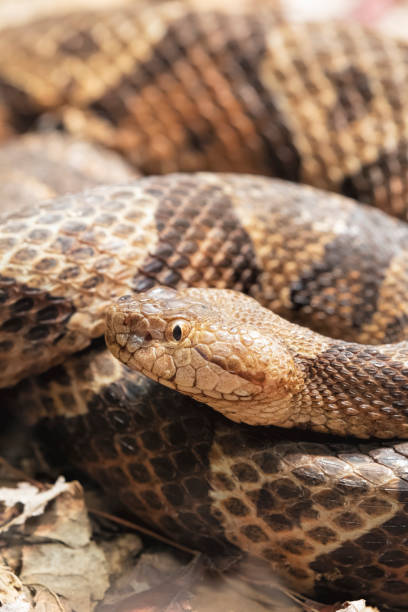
{"type": "Point", "coordinates": [201, 353]}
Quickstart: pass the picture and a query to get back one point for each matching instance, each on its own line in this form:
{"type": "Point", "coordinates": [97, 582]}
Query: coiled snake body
{"type": "Point", "coordinates": [205, 90]}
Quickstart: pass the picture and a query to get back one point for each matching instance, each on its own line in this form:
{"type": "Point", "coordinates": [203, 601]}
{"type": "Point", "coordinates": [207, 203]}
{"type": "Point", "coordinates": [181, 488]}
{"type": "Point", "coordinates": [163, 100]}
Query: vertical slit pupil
{"type": "Point", "coordinates": [177, 332]}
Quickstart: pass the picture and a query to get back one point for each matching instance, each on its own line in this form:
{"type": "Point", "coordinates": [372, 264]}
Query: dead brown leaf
{"type": "Point", "coordinates": [47, 540]}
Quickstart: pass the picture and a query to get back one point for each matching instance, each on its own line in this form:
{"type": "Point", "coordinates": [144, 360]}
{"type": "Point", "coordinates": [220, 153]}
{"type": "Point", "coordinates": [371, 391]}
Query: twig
{"type": "Point", "coordinates": [144, 530]}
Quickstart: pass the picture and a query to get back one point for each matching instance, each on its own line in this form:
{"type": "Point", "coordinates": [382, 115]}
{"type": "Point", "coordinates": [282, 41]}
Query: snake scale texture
{"type": "Point", "coordinates": [178, 90]}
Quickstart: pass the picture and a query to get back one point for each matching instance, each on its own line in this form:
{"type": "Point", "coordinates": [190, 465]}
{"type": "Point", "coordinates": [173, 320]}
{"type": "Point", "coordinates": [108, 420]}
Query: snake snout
{"type": "Point", "coordinates": [127, 330]}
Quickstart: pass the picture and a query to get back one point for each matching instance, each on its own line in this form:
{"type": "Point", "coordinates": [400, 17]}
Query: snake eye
{"type": "Point", "coordinates": [177, 330]}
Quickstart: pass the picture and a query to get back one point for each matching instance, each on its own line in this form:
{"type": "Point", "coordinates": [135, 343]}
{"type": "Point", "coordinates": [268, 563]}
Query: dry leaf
{"type": "Point", "coordinates": [13, 597]}
{"type": "Point", "coordinates": [158, 583]}
{"type": "Point", "coordinates": [25, 501]}
{"type": "Point", "coordinates": [46, 539]}
{"type": "Point", "coordinates": [356, 606]}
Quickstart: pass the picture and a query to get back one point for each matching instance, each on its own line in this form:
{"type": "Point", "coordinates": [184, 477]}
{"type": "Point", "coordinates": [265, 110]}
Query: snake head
{"type": "Point", "coordinates": [209, 344]}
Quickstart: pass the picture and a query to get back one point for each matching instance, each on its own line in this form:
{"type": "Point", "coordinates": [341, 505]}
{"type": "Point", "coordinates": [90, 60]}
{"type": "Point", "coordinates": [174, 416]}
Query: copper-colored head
{"type": "Point", "coordinates": [209, 344]}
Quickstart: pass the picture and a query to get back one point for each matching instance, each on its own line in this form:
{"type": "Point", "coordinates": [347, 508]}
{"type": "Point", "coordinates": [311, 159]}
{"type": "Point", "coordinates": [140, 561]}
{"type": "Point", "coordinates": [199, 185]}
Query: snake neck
{"type": "Point", "coordinates": [352, 389]}
{"type": "Point", "coordinates": [330, 386]}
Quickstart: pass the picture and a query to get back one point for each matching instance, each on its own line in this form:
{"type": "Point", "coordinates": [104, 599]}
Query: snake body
{"type": "Point", "coordinates": [40, 166]}
{"type": "Point", "coordinates": [176, 89]}
{"type": "Point", "coordinates": [180, 89]}
{"type": "Point", "coordinates": [245, 499]}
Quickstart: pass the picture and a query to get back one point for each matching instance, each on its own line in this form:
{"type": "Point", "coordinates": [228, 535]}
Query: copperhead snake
{"type": "Point", "coordinates": [184, 90]}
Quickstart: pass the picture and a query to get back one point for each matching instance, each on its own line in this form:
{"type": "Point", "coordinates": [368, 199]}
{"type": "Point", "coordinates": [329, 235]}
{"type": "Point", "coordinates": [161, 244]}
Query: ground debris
{"type": "Point", "coordinates": [162, 582]}
{"type": "Point", "coordinates": [46, 540]}
{"type": "Point", "coordinates": [355, 606]}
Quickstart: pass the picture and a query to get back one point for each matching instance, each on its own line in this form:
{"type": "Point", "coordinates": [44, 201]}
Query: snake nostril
{"type": "Point", "coordinates": [125, 298]}
{"type": "Point", "coordinates": [148, 337]}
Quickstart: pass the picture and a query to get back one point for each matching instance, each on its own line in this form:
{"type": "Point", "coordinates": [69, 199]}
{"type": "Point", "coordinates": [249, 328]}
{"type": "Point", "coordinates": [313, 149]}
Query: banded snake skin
{"type": "Point", "coordinates": [194, 90]}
